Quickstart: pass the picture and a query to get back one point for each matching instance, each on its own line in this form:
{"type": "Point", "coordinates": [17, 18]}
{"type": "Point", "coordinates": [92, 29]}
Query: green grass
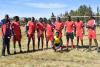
{"type": "Point", "coordinates": [49, 58]}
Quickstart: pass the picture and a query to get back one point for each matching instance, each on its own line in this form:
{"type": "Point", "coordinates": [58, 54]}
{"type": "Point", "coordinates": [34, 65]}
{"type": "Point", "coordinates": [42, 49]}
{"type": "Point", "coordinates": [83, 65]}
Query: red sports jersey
{"type": "Point", "coordinates": [91, 32]}
{"type": "Point", "coordinates": [45, 25]}
{"type": "Point", "coordinates": [91, 23]}
{"type": "Point", "coordinates": [58, 27]}
{"type": "Point", "coordinates": [40, 28]}
{"type": "Point", "coordinates": [16, 30]}
{"type": "Point", "coordinates": [69, 26]}
{"type": "Point", "coordinates": [79, 27]}
{"type": "Point", "coordinates": [49, 30]}
{"type": "Point", "coordinates": [31, 26]}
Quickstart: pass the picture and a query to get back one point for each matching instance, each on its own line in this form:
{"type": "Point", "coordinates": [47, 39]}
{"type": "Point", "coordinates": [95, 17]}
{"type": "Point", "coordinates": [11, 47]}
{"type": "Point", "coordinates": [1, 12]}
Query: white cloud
{"type": "Point", "coordinates": [46, 5]}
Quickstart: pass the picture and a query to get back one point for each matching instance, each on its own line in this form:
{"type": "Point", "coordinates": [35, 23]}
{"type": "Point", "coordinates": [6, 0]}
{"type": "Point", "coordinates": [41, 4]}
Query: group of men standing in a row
{"type": "Point", "coordinates": [13, 29]}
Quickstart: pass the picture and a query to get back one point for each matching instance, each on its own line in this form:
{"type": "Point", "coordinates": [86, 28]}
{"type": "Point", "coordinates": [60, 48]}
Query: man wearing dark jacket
{"type": "Point", "coordinates": [6, 35]}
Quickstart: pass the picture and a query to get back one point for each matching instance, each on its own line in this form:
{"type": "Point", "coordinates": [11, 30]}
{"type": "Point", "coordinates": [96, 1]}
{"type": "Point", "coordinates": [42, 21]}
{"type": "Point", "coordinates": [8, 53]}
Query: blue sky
{"type": "Point", "coordinates": [42, 8]}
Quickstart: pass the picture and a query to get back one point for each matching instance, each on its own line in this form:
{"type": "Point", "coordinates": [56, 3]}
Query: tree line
{"type": "Point", "coordinates": [83, 10]}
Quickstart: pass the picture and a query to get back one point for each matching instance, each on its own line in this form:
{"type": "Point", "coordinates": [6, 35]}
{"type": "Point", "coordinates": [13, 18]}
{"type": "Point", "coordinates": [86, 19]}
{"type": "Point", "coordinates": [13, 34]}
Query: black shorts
{"type": "Point", "coordinates": [69, 35]}
{"type": "Point", "coordinates": [57, 44]}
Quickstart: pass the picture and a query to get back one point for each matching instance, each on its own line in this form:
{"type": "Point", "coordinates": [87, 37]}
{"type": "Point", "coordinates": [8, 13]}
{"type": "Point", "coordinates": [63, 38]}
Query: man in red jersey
{"type": "Point", "coordinates": [79, 26]}
{"type": "Point", "coordinates": [92, 32]}
{"type": "Point", "coordinates": [40, 32]}
{"type": "Point", "coordinates": [16, 33]}
{"type": "Point", "coordinates": [69, 28]}
{"type": "Point", "coordinates": [45, 24]}
{"type": "Point", "coordinates": [49, 33]}
{"type": "Point", "coordinates": [58, 27]}
{"type": "Point", "coordinates": [31, 33]}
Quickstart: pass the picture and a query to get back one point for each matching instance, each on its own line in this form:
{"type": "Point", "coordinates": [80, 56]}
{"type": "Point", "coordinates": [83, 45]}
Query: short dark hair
{"type": "Point", "coordinates": [78, 19]}
{"type": "Point", "coordinates": [45, 20]}
{"type": "Point", "coordinates": [58, 18]}
{"type": "Point", "coordinates": [49, 21]}
{"type": "Point", "coordinates": [7, 15]}
{"type": "Point", "coordinates": [57, 33]}
{"type": "Point", "coordinates": [33, 19]}
{"type": "Point", "coordinates": [69, 18]}
{"type": "Point", "coordinates": [16, 18]}
{"type": "Point", "coordinates": [41, 19]}
{"type": "Point", "coordinates": [92, 17]}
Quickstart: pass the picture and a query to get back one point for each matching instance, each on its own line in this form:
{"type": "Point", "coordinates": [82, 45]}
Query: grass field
{"type": "Point", "coordinates": [49, 58]}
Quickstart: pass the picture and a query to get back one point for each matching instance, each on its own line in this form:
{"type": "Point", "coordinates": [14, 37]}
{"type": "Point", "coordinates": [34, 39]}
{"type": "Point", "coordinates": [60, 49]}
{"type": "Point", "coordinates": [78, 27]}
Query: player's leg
{"type": "Point", "coordinates": [55, 47]}
{"type": "Point", "coordinates": [72, 45]}
{"type": "Point", "coordinates": [47, 42]}
{"type": "Point", "coordinates": [60, 34]}
{"type": "Point", "coordinates": [82, 42]}
{"type": "Point", "coordinates": [90, 40]}
{"type": "Point", "coordinates": [96, 43]}
{"type": "Point", "coordinates": [61, 44]}
{"type": "Point", "coordinates": [19, 42]}
{"type": "Point", "coordinates": [33, 41]}
{"type": "Point", "coordinates": [52, 42]}
{"type": "Point", "coordinates": [3, 47]}
{"type": "Point", "coordinates": [14, 42]}
{"type": "Point", "coordinates": [95, 40]}
{"type": "Point", "coordinates": [42, 40]}
{"type": "Point", "coordinates": [45, 33]}
{"type": "Point", "coordinates": [72, 37]}
{"type": "Point", "coordinates": [67, 40]}
{"type": "Point", "coordinates": [81, 39]}
{"type": "Point", "coordinates": [38, 42]}
{"type": "Point", "coordinates": [77, 41]}
{"type": "Point", "coordinates": [90, 43]}
{"type": "Point", "coordinates": [8, 46]}
{"type": "Point", "coordinates": [29, 39]}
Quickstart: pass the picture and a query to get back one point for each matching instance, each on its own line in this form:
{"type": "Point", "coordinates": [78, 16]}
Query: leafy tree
{"type": "Point", "coordinates": [53, 17]}
{"type": "Point", "coordinates": [98, 14]}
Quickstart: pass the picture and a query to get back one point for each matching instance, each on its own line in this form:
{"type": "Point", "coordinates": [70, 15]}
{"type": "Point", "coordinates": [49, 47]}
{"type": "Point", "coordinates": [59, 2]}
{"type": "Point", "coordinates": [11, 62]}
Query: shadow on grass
{"type": "Point", "coordinates": [31, 51]}
{"type": "Point", "coordinates": [85, 48]}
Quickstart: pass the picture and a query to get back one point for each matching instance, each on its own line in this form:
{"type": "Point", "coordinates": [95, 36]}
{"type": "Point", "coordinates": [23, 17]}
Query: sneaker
{"type": "Point", "coordinates": [33, 49]}
{"type": "Point", "coordinates": [28, 50]}
{"type": "Point", "coordinates": [67, 49]}
{"type": "Point", "coordinates": [8, 53]}
{"type": "Point", "coordinates": [14, 52]}
{"type": "Point", "coordinates": [21, 51]}
{"type": "Point", "coordinates": [55, 50]}
{"type": "Point", "coordinates": [3, 55]}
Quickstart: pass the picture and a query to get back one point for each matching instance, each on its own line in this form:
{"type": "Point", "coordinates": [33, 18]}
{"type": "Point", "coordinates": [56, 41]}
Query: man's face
{"type": "Point", "coordinates": [6, 17]}
{"type": "Point", "coordinates": [32, 20]}
{"type": "Point", "coordinates": [52, 20]}
{"type": "Point", "coordinates": [57, 34]}
{"type": "Point", "coordinates": [58, 19]}
{"type": "Point", "coordinates": [41, 20]}
{"type": "Point", "coordinates": [69, 18]}
{"type": "Point", "coordinates": [49, 22]}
